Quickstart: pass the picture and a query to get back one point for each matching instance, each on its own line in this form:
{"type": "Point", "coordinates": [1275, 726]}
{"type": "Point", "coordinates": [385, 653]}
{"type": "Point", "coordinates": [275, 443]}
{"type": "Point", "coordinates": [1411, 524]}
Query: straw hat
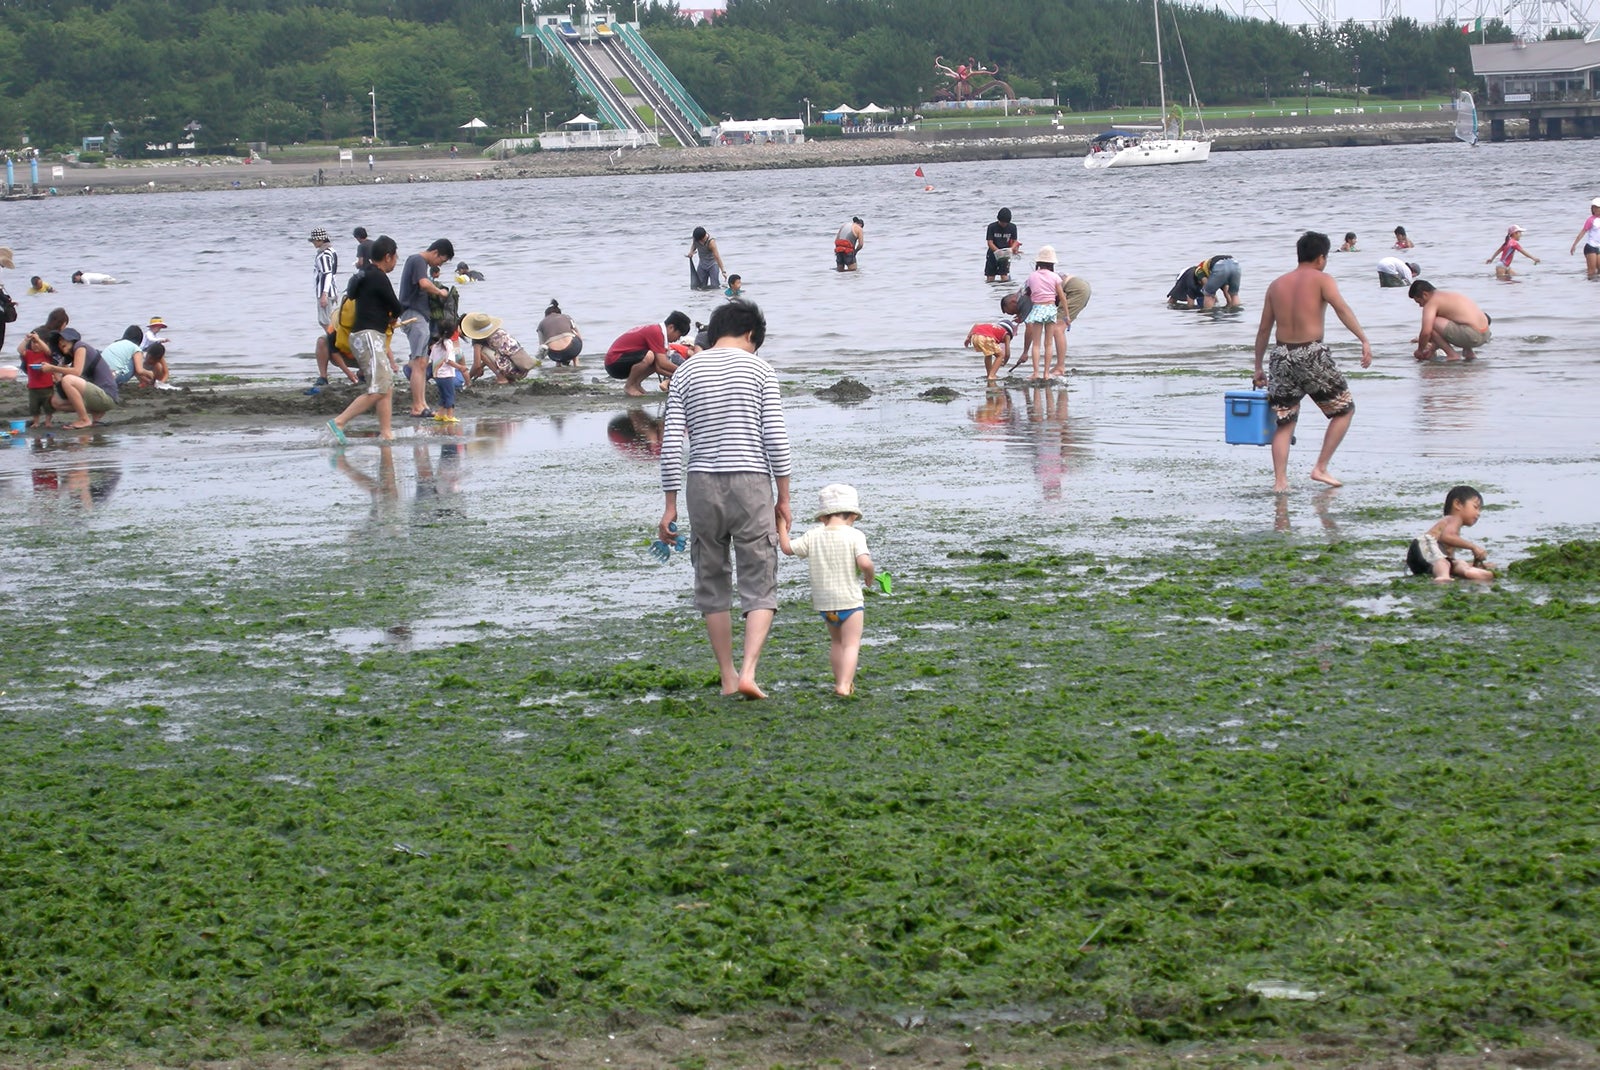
{"type": "Point", "coordinates": [479, 325]}
{"type": "Point", "coordinates": [1045, 255]}
{"type": "Point", "coordinates": [837, 498]}
{"type": "Point", "coordinates": [5, 258]}
{"type": "Point", "coordinates": [157, 321]}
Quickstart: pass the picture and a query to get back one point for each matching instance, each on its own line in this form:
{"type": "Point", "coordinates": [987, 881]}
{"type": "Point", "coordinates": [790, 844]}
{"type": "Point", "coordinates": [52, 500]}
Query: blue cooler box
{"type": "Point", "coordinates": [1248, 420]}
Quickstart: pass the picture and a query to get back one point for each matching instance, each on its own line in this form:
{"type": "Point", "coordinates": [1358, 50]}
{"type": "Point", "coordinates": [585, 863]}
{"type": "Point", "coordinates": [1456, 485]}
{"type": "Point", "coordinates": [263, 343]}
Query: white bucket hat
{"type": "Point", "coordinates": [837, 498]}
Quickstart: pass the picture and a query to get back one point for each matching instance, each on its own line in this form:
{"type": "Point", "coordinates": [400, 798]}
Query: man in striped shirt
{"type": "Point", "coordinates": [325, 270]}
{"type": "Point", "coordinates": [725, 401]}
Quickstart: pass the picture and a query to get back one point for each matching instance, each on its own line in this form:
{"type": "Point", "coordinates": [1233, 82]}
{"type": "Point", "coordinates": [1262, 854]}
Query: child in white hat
{"type": "Point", "coordinates": [839, 562]}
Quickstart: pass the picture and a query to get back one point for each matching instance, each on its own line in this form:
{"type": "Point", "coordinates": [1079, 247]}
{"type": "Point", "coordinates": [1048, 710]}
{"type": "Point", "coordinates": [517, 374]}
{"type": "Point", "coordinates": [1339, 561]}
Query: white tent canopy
{"type": "Point", "coordinates": [581, 119]}
{"type": "Point", "coordinates": [474, 123]}
{"type": "Point", "coordinates": [843, 109]}
{"type": "Point", "coordinates": [873, 109]}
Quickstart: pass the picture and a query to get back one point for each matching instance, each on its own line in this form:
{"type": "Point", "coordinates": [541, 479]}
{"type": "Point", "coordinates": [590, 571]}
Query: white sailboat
{"type": "Point", "coordinates": [1140, 146]}
{"type": "Point", "coordinates": [1466, 118]}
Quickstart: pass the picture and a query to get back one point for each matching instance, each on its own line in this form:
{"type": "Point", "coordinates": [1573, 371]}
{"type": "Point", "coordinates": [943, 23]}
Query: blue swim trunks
{"type": "Point", "coordinates": [835, 617]}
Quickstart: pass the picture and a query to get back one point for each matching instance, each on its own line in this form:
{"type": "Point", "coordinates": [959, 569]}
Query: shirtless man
{"type": "Point", "coordinates": [1448, 319]}
{"type": "Point", "coordinates": [1297, 304]}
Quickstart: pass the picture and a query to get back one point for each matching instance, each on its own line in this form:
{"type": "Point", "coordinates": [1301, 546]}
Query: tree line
{"type": "Point", "coordinates": [304, 70]}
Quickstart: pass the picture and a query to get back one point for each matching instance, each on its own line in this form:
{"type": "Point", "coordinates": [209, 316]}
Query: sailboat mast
{"type": "Point", "coordinates": [1161, 74]}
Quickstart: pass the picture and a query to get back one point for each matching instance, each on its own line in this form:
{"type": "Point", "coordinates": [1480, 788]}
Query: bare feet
{"type": "Point", "coordinates": [748, 688]}
{"type": "Point", "coordinates": [1321, 476]}
{"type": "Point", "coordinates": [1467, 354]}
{"type": "Point", "coordinates": [78, 427]}
{"type": "Point", "coordinates": [633, 392]}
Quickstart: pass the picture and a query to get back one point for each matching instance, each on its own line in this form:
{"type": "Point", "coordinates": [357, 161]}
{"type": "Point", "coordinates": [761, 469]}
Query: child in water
{"type": "Point", "coordinates": [448, 371]}
{"type": "Point", "coordinates": [1589, 234]}
{"type": "Point", "coordinates": [1508, 249]}
{"type": "Point", "coordinates": [1401, 241]}
{"type": "Point", "coordinates": [993, 340]}
{"type": "Point", "coordinates": [1349, 245]}
{"type": "Point", "coordinates": [735, 288]}
{"type": "Point", "coordinates": [837, 554]}
{"type": "Point", "coordinates": [1433, 552]}
{"type": "Point", "coordinates": [1046, 333]}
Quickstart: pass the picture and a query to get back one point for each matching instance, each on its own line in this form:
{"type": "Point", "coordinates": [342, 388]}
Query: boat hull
{"type": "Point", "coordinates": [1151, 153]}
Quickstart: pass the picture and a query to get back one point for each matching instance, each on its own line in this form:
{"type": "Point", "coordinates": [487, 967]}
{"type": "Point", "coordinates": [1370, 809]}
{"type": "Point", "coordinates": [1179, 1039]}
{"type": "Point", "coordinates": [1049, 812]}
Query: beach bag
{"type": "Point", "coordinates": [343, 322]}
{"type": "Point", "coordinates": [438, 308]}
{"type": "Point", "coordinates": [8, 307]}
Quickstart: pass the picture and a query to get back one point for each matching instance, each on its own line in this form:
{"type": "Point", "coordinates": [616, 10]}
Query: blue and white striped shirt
{"type": "Point", "coordinates": [725, 402]}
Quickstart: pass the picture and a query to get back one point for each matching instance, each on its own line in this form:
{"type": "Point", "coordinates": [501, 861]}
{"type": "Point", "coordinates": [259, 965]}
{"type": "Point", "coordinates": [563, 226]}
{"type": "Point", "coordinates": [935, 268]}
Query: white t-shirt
{"type": "Point", "coordinates": [1393, 265]}
{"type": "Point", "coordinates": [831, 553]}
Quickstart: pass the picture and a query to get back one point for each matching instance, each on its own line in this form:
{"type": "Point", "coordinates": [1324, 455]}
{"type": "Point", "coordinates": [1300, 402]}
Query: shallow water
{"type": "Point", "coordinates": [1129, 457]}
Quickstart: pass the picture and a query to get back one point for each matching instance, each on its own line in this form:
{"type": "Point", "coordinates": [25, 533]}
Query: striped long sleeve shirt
{"type": "Point", "coordinates": [725, 403]}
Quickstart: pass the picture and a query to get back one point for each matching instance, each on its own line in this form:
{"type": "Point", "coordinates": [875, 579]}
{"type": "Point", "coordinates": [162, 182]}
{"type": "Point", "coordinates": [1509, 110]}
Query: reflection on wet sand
{"type": "Point", "coordinates": [636, 431]}
{"type": "Point", "coordinates": [1450, 397]}
{"type": "Point", "coordinates": [1036, 421]}
{"type": "Point", "coordinates": [1321, 504]}
{"type": "Point", "coordinates": [64, 468]}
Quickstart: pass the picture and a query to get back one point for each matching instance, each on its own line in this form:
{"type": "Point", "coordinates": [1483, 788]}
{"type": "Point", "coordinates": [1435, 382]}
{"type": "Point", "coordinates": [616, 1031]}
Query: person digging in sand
{"type": "Point", "coordinates": [1297, 304]}
{"type": "Point", "coordinates": [1433, 552]}
{"type": "Point", "coordinates": [839, 562]}
{"type": "Point", "coordinates": [1448, 319]}
{"type": "Point", "coordinates": [725, 403]}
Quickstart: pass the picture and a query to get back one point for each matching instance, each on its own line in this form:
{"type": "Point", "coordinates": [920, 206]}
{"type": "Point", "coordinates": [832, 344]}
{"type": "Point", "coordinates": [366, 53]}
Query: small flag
{"type": "Point", "coordinates": [920, 174]}
{"type": "Point", "coordinates": [1473, 27]}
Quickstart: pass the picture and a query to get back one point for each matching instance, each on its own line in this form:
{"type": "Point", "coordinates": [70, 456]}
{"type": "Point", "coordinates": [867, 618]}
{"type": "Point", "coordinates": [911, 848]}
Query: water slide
{"type": "Point", "coordinates": [609, 101]}
{"type": "Point", "coordinates": [621, 53]}
{"type": "Point", "coordinates": [628, 65]}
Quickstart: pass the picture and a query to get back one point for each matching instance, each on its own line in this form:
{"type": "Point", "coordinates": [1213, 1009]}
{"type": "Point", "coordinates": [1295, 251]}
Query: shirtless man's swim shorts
{"type": "Point", "coordinates": [1463, 337]}
{"type": "Point", "coordinates": [1305, 370]}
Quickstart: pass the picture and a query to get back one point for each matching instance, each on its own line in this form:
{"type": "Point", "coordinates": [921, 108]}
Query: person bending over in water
{"type": "Point", "coordinates": [1433, 552]}
{"type": "Point", "coordinates": [1297, 304]}
{"type": "Point", "coordinates": [993, 340]}
{"type": "Point", "coordinates": [847, 243]}
{"type": "Point", "coordinates": [1508, 249]}
{"type": "Point", "coordinates": [1448, 319]}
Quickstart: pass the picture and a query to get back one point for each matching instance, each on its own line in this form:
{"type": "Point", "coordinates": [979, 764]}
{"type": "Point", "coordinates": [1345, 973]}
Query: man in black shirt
{"type": "Point", "coordinates": [1001, 239]}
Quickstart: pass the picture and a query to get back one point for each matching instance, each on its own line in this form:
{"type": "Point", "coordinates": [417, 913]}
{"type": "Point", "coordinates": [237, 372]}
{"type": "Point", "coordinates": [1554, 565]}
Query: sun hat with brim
{"type": "Point", "coordinates": [5, 259]}
{"type": "Point", "coordinates": [1592, 204]}
{"type": "Point", "coordinates": [1045, 255]}
{"type": "Point", "coordinates": [837, 498]}
{"type": "Point", "coordinates": [320, 234]}
{"type": "Point", "coordinates": [479, 325]}
{"type": "Point", "coordinates": [157, 321]}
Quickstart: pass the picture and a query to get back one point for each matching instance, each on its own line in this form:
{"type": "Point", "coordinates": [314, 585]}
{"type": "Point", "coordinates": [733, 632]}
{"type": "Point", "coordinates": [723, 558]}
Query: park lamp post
{"type": "Point", "coordinates": [807, 102]}
{"type": "Point", "coordinates": [373, 93]}
{"type": "Point", "coordinates": [1452, 83]}
{"type": "Point", "coordinates": [1306, 75]}
{"type": "Point", "coordinates": [1055, 91]}
{"type": "Point", "coordinates": [547, 119]}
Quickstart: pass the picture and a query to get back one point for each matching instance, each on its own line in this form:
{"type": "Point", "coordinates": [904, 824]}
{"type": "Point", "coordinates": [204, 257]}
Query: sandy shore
{"type": "Point", "coordinates": [922, 146]}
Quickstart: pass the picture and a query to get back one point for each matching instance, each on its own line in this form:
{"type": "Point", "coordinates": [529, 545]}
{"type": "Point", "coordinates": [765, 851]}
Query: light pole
{"type": "Point", "coordinates": [1452, 83]}
{"type": "Point", "coordinates": [527, 121]}
{"type": "Point", "coordinates": [547, 119]}
{"type": "Point", "coordinates": [1306, 75]}
{"type": "Point", "coordinates": [373, 93]}
{"type": "Point", "coordinates": [807, 102]}
{"type": "Point", "coordinates": [1055, 91]}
